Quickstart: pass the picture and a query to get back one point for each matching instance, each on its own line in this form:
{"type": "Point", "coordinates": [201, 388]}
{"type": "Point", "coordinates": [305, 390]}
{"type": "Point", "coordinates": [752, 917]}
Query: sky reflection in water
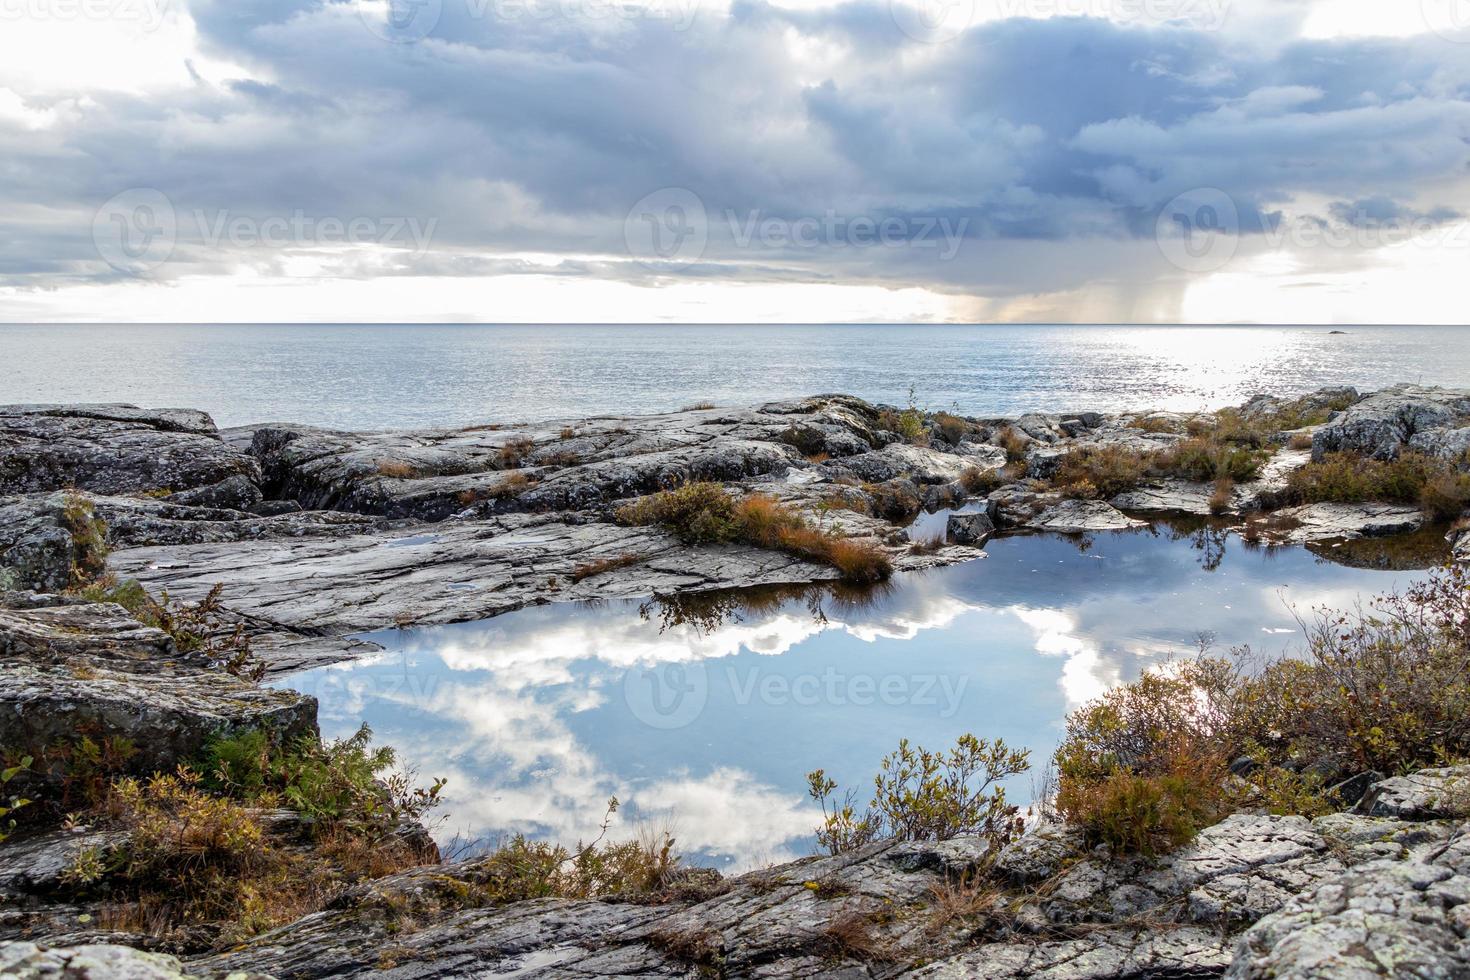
{"type": "Point", "coordinates": [537, 717]}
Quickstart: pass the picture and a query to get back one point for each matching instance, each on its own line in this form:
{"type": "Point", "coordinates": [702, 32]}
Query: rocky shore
{"type": "Point", "coordinates": [302, 538]}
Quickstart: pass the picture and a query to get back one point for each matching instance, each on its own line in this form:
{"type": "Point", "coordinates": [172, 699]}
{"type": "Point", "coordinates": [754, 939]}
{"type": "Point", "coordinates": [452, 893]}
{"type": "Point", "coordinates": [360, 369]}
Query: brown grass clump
{"type": "Point", "coordinates": [704, 513]}
{"type": "Point", "coordinates": [1014, 443]}
{"type": "Point", "coordinates": [601, 566]}
{"type": "Point", "coordinates": [1223, 497]}
{"type": "Point", "coordinates": [1301, 441]}
{"type": "Point", "coordinates": [396, 469]}
{"type": "Point", "coordinates": [698, 407]}
{"type": "Point", "coordinates": [568, 432]}
{"type": "Point", "coordinates": [1153, 424]}
{"type": "Point", "coordinates": [854, 935]}
{"type": "Point", "coordinates": [513, 453]}
{"type": "Point", "coordinates": [1446, 495]}
{"type": "Point", "coordinates": [982, 482]}
{"type": "Point", "coordinates": [951, 428]}
{"type": "Point", "coordinates": [964, 898]}
{"type": "Point", "coordinates": [1099, 473]}
{"type": "Point", "coordinates": [928, 546]}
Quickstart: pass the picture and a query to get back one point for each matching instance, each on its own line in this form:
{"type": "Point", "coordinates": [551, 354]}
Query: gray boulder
{"type": "Point", "coordinates": [93, 668]}
{"type": "Point", "coordinates": [1384, 423]}
{"type": "Point", "coordinates": [114, 449]}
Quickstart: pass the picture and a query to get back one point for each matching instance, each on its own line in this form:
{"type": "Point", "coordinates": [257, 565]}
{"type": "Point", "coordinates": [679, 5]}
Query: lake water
{"type": "Point", "coordinates": [705, 716]}
{"type": "Point", "coordinates": [400, 376]}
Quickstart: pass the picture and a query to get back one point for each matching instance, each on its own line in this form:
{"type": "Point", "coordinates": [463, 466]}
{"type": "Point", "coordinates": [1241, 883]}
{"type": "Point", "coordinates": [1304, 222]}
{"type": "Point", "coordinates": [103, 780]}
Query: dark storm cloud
{"type": "Point", "coordinates": [535, 132]}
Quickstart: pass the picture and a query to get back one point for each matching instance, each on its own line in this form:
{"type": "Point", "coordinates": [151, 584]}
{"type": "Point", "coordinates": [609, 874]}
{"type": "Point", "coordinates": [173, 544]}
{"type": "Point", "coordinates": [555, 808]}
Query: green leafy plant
{"type": "Point", "coordinates": [924, 795]}
{"type": "Point", "coordinates": [12, 801]}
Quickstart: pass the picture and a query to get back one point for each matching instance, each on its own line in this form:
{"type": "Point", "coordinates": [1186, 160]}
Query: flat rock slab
{"type": "Point", "coordinates": [1332, 522]}
{"type": "Point", "coordinates": [1082, 517]}
{"type": "Point", "coordinates": [1161, 953]}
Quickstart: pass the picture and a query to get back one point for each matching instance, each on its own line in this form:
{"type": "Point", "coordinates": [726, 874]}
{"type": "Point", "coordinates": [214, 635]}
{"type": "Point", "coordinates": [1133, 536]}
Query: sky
{"type": "Point", "coordinates": [1172, 161]}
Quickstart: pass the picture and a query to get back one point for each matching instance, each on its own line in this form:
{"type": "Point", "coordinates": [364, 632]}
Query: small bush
{"type": "Point", "coordinates": [1350, 478]}
{"type": "Point", "coordinates": [10, 802]}
{"type": "Point", "coordinates": [198, 628]}
{"type": "Point", "coordinates": [89, 539]}
{"type": "Point", "coordinates": [981, 482]}
{"type": "Point", "coordinates": [346, 783]}
{"type": "Point", "coordinates": [698, 513]}
{"type": "Point", "coordinates": [568, 432]}
{"type": "Point", "coordinates": [1446, 496]}
{"type": "Point", "coordinates": [1015, 443]}
{"type": "Point", "coordinates": [1205, 460]}
{"type": "Point", "coordinates": [1300, 442]}
{"type": "Point", "coordinates": [1224, 495]}
{"type": "Point", "coordinates": [1095, 473]}
{"type": "Point", "coordinates": [698, 407]}
{"type": "Point", "coordinates": [923, 795]}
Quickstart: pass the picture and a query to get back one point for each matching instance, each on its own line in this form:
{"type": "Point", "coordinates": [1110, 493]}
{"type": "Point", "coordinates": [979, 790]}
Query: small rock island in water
{"type": "Point", "coordinates": [164, 814]}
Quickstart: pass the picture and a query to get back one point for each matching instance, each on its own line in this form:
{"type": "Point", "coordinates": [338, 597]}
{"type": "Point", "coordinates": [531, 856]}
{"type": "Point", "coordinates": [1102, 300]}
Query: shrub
{"type": "Point", "coordinates": [1446, 495]}
{"type": "Point", "coordinates": [1094, 473]}
{"type": "Point", "coordinates": [698, 407]}
{"type": "Point", "coordinates": [1412, 478]}
{"type": "Point", "coordinates": [10, 802]}
{"type": "Point", "coordinates": [1224, 495]}
{"type": "Point", "coordinates": [346, 783]}
{"type": "Point", "coordinates": [981, 482]}
{"type": "Point", "coordinates": [1204, 460]}
{"type": "Point", "coordinates": [698, 513]}
{"type": "Point", "coordinates": [1142, 769]}
{"type": "Point", "coordinates": [1383, 690]}
{"type": "Point", "coordinates": [923, 795]}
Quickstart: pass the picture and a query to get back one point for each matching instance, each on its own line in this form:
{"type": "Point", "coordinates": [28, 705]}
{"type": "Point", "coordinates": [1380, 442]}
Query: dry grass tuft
{"type": "Point", "coordinates": [602, 566]}
{"type": "Point", "coordinates": [396, 469]}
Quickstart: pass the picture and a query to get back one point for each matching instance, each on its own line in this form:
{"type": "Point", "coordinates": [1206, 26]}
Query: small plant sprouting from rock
{"type": "Point", "coordinates": [919, 795]}
{"type": "Point", "coordinates": [88, 536]}
{"type": "Point", "coordinates": [11, 802]}
{"type": "Point", "coordinates": [198, 628]}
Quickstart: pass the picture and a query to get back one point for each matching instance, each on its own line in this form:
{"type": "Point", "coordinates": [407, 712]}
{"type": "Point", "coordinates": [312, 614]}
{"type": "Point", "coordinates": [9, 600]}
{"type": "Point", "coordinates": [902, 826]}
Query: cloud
{"type": "Point", "coordinates": [525, 132]}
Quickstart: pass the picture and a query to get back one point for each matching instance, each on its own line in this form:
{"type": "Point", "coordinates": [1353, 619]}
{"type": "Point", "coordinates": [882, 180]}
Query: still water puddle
{"type": "Point", "coordinates": [704, 716]}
